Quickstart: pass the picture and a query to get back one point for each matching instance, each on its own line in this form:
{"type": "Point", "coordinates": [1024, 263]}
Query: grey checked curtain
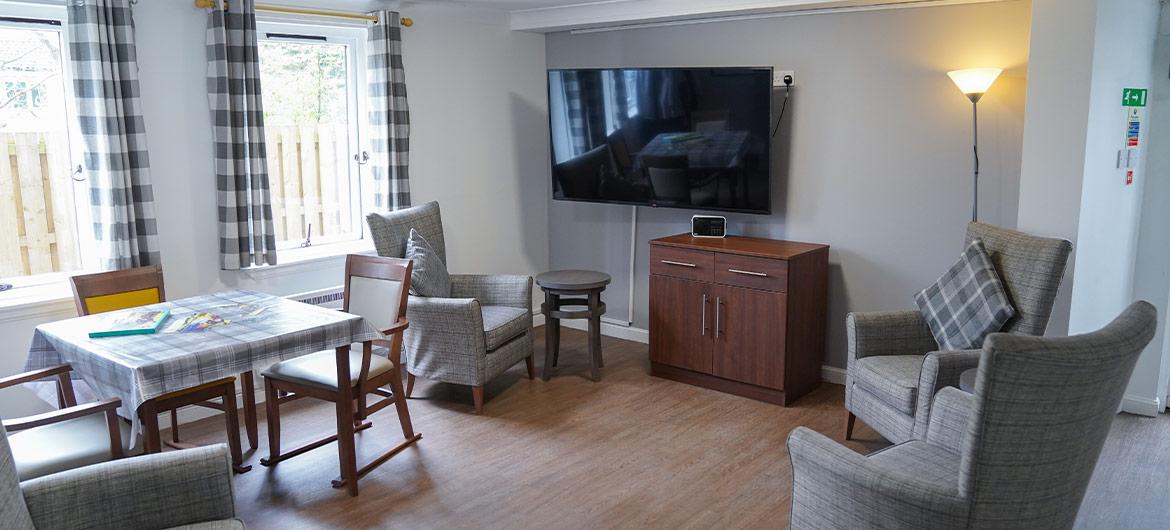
{"type": "Point", "coordinates": [105, 85]}
{"type": "Point", "coordinates": [389, 114]}
{"type": "Point", "coordinates": [246, 235]}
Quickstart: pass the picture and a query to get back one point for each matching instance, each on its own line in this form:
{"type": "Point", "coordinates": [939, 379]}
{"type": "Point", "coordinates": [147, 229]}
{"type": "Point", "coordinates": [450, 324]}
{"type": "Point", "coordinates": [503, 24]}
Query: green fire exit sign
{"type": "Point", "coordinates": [1133, 97]}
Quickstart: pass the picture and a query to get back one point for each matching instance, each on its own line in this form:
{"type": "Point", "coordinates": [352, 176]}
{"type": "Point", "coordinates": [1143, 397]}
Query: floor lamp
{"type": "Point", "coordinates": [974, 82]}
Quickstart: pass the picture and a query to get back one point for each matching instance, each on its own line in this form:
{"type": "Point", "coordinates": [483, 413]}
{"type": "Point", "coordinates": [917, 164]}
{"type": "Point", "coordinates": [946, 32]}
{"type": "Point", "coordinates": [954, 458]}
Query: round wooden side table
{"type": "Point", "coordinates": [583, 289]}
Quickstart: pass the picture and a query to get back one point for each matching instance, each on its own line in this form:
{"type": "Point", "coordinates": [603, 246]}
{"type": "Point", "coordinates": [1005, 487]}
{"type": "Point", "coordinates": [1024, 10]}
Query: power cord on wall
{"type": "Point", "coordinates": [784, 105]}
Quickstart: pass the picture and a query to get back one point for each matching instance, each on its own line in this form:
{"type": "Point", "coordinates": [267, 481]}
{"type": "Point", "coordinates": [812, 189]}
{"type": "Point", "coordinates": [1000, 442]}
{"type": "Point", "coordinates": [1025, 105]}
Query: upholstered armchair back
{"type": "Point", "coordinates": [1042, 410]}
{"type": "Point", "coordinates": [391, 230]}
{"type": "Point", "coordinates": [1031, 268]}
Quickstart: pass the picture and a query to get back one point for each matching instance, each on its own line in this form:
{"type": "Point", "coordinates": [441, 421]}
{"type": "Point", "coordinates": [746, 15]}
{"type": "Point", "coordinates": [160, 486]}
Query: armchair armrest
{"type": "Point", "coordinates": [494, 289]}
{"type": "Point", "coordinates": [834, 487]}
{"type": "Point", "coordinates": [888, 333]}
{"type": "Point", "coordinates": [63, 373]}
{"type": "Point", "coordinates": [948, 419]}
{"type": "Point", "coordinates": [152, 491]}
{"type": "Point", "coordinates": [939, 370]}
{"type": "Point", "coordinates": [448, 325]}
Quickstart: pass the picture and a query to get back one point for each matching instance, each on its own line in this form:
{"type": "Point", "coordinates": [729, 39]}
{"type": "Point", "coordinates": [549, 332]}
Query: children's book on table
{"type": "Point", "coordinates": [136, 322]}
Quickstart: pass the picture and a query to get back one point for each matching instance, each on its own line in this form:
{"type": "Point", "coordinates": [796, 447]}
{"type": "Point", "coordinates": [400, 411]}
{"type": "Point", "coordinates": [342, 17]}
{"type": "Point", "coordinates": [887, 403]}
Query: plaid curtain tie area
{"type": "Point", "coordinates": [104, 63]}
{"type": "Point", "coordinates": [389, 115]}
{"type": "Point", "coordinates": [246, 233]}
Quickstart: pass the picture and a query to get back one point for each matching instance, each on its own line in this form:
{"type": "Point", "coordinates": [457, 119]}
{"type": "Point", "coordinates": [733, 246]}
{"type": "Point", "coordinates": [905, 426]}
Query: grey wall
{"type": "Point", "coordinates": [879, 160]}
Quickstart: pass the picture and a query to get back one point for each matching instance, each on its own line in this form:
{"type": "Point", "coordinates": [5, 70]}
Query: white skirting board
{"type": "Point", "coordinates": [829, 374]}
{"type": "Point", "coordinates": [1141, 406]}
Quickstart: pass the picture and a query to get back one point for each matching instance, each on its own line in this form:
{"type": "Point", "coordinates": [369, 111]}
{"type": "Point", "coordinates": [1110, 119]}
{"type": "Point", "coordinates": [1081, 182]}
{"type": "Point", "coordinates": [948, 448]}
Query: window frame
{"type": "Point", "coordinates": [354, 38]}
{"type": "Point", "coordinates": [83, 213]}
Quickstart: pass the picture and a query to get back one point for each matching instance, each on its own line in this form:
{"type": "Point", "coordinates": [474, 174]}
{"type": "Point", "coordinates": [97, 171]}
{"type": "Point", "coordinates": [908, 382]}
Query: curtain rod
{"type": "Point", "coordinates": [404, 21]}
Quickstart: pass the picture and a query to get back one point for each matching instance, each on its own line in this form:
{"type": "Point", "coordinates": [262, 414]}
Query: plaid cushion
{"type": "Point", "coordinates": [967, 302]}
{"type": "Point", "coordinates": [429, 276]}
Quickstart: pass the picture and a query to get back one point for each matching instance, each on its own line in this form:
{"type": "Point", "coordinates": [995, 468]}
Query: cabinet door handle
{"type": "Point", "coordinates": [703, 328]}
{"type": "Point", "coordinates": [718, 302]}
{"type": "Point", "coordinates": [749, 273]}
{"type": "Point", "coordinates": [678, 263]}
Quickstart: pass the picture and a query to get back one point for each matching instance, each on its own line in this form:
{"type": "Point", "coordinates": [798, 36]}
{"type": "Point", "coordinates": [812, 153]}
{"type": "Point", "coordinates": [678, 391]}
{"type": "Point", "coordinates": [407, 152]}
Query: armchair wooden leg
{"type": "Point", "coordinates": [477, 396]}
{"type": "Point", "coordinates": [530, 363]}
{"type": "Point", "coordinates": [849, 426]}
{"type": "Point", "coordinates": [272, 411]}
{"type": "Point", "coordinates": [409, 384]}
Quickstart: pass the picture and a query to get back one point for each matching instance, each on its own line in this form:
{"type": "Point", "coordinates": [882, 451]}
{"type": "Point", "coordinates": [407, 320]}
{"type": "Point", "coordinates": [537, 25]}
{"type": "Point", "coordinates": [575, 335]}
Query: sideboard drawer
{"type": "Point", "coordinates": [751, 272]}
{"type": "Point", "coordinates": [682, 263]}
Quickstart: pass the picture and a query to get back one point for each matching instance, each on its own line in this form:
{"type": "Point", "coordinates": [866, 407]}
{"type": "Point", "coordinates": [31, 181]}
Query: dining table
{"type": "Point", "coordinates": [205, 339]}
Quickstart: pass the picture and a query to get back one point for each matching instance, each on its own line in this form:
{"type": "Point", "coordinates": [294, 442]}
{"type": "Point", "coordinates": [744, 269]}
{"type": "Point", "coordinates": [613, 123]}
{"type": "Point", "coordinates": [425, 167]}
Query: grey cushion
{"type": "Point", "coordinates": [503, 323]}
{"type": "Point", "coordinates": [391, 230]}
{"type": "Point", "coordinates": [429, 275]}
{"type": "Point", "coordinates": [320, 369]}
{"type": "Point", "coordinates": [225, 524]}
{"type": "Point", "coordinates": [13, 511]}
{"type": "Point", "coordinates": [66, 445]}
{"type": "Point", "coordinates": [967, 302]}
{"type": "Point", "coordinates": [893, 378]}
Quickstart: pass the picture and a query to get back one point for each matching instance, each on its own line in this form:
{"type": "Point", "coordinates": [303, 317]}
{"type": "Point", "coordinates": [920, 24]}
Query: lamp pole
{"type": "Point", "coordinates": [975, 144]}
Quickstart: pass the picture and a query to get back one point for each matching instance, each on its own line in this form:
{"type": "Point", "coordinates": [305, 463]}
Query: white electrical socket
{"type": "Point", "coordinates": [778, 77]}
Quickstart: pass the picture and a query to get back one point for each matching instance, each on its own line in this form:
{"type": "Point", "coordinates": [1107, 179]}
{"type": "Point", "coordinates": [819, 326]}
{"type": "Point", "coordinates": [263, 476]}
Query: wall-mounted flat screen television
{"type": "Point", "coordinates": [695, 138]}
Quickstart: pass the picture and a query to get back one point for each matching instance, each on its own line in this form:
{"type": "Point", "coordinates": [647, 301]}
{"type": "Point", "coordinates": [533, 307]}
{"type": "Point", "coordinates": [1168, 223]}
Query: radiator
{"type": "Point", "coordinates": [330, 298]}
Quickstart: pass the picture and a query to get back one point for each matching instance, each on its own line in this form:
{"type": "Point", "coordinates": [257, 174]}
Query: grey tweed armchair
{"type": "Point", "coordinates": [894, 366]}
{"type": "Point", "coordinates": [468, 339]}
{"type": "Point", "coordinates": [189, 489]}
{"type": "Point", "coordinates": [1018, 453]}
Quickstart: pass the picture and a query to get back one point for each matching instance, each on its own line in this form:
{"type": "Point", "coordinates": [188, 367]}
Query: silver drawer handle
{"type": "Point", "coordinates": [679, 263]}
{"type": "Point", "coordinates": [749, 273]}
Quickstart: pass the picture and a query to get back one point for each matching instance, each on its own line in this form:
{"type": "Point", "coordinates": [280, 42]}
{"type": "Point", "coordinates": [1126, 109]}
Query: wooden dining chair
{"type": "Point", "coordinates": [376, 288]}
{"type": "Point", "coordinates": [70, 437]}
{"type": "Point", "coordinates": [127, 288]}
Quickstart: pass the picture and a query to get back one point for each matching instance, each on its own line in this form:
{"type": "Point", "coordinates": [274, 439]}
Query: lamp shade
{"type": "Point", "coordinates": [974, 81]}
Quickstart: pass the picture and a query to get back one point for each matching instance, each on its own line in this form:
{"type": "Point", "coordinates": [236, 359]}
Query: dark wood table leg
{"type": "Point", "coordinates": [232, 423]}
{"type": "Point", "coordinates": [595, 336]}
{"type": "Point", "coordinates": [556, 328]}
{"type": "Point", "coordinates": [345, 443]}
{"type": "Point", "coordinates": [152, 440]}
{"type": "Point", "coordinates": [246, 384]}
{"type": "Point", "coordinates": [550, 336]}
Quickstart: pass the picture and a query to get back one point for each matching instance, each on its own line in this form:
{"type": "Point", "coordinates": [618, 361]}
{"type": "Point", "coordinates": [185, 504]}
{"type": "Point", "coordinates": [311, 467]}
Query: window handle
{"type": "Point", "coordinates": [362, 159]}
{"type": "Point", "coordinates": [78, 171]}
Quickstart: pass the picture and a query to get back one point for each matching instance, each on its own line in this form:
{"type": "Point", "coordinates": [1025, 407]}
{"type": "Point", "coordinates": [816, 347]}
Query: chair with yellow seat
{"type": "Point", "coordinates": [128, 288]}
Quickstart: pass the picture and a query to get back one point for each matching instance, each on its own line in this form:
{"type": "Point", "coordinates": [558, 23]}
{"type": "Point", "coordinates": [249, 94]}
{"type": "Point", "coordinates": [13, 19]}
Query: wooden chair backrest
{"type": "Point", "coordinates": [376, 287]}
{"type": "Point", "coordinates": [110, 291]}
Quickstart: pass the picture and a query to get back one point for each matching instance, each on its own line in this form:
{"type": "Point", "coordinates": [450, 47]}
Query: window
{"type": "Point", "coordinates": [311, 86]}
{"type": "Point", "coordinates": [44, 201]}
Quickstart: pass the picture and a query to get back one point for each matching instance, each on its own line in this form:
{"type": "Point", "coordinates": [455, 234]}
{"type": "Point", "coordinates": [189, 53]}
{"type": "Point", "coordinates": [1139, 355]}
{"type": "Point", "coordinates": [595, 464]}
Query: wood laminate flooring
{"type": "Point", "coordinates": [630, 451]}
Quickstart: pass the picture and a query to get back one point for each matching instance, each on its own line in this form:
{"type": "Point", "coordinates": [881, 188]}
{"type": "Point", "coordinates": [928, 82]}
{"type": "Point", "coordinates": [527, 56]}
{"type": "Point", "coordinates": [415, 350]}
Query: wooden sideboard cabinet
{"type": "Point", "coordinates": [742, 315]}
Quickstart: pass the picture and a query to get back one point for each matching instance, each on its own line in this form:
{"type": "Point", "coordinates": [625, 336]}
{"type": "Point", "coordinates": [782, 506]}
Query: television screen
{"type": "Point", "coordinates": [693, 138]}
